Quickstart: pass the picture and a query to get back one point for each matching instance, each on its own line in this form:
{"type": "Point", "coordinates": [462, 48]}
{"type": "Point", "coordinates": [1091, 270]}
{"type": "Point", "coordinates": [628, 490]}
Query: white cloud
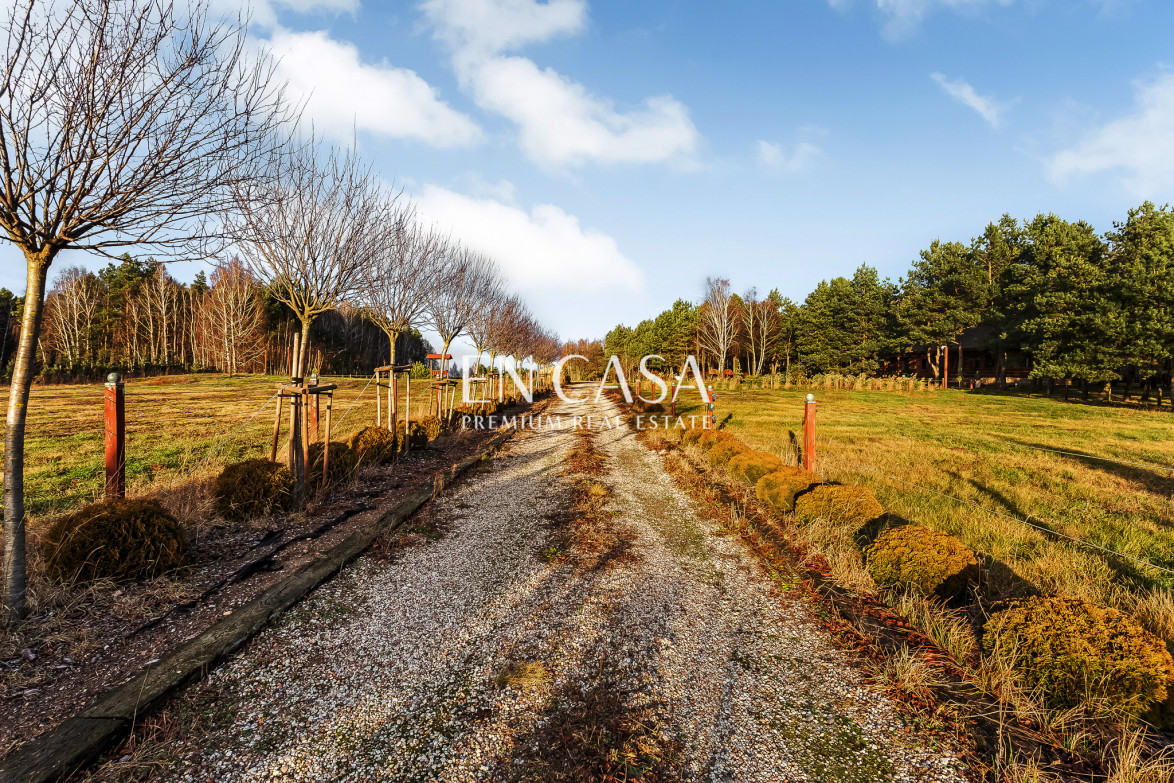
{"type": "Point", "coordinates": [1139, 145]}
{"type": "Point", "coordinates": [482, 28]}
{"type": "Point", "coordinates": [775, 157]}
{"type": "Point", "coordinates": [544, 249]}
{"type": "Point", "coordinates": [903, 17]}
{"type": "Point", "coordinates": [961, 91]}
{"type": "Point", "coordinates": [343, 94]}
{"type": "Point", "coordinates": [560, 122]}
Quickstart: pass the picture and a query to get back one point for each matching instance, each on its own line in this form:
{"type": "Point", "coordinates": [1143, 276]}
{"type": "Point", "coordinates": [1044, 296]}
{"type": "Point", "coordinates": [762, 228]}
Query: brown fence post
{"type": "Point", "coordinates": [809, 434]}
{"type": "Point", "coordinates": [712, 406]}
{"type": "Point", "coordinates": [115, 438]}
{"type": "Point", "coordinates": [674, 400]}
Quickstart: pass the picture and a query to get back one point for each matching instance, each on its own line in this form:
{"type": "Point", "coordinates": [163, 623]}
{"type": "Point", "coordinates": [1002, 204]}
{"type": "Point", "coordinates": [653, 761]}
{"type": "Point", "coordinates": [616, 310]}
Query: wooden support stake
{"type": "Point", "coordinates": [276, 428]}
{"type": "Point", "coordinates": [809, 434]}
{"type": "Point", "coordinates": [115, 438]}
{"type": "Point", "coordinates": [378, 402]}
{"type": "Point", "coordinates": [305, 401]}
{"type": "Point", "coordinates": [326, 443]}
{"type": "Point", "coordinates": [407, 409]}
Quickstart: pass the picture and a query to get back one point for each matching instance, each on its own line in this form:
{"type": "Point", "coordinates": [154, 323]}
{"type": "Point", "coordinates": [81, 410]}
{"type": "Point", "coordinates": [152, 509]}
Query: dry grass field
{"type": "Point", "coordinates": [178, 428]}
{"type": "Point", "coordinates": [912, 449]}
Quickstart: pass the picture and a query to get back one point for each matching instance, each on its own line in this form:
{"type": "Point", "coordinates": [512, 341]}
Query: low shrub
{"type": "Point", "coordinates": [432, 427]}
{"type": "Point", "coordinates": [777, 490]}
{"type": "Point", "coordinates": [929, 561]}
{"type": "Point", "coordinates": [839, 503]}
{"type": "Point", "coordinates": [373, 445]}
{"type": "Point", "coordinates": [691, 434]}
{"type": "Point", "coordinates": [706, 439]}
{"type": "Point", "coordinates": [124, 540]}
{"type": "Point", "coordinates": [342, 467]}
{"type": "Point", "coordinates": [750, 466]}
{"type": "Point", "coordinates": [1073, 651]}
{"type": "Point", "coordinates": [252, 488]}
{"type": "Point", "coordinates": [726, 448]}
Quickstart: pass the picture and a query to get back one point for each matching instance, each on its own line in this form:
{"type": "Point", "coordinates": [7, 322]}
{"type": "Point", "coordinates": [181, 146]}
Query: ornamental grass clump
{"type": "Point", "coordinates": [777, 490]}
{"type": "Point", "coordinates": [726, 448]}
{"type": "Point", "coordinates": [928, 561]}
{"type": "Point", "coordinates": [1076, 652]}
{"type": "Point", "coordinates": [373, 445]}
{"type": "Point", "coordinates": [252, 488]}
{"type": "Point", "coordinates": [844, 504]}
{"type": "Point", "coordinates": [123, 540]}
{"type": "Point", "coordinates": [750, 466]}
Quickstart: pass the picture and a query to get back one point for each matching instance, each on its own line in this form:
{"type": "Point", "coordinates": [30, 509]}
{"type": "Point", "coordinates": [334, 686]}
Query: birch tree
{"type": "Point", "coordinates": [718, 324]}
{"type": "Point", "coordinates": [122, 122]}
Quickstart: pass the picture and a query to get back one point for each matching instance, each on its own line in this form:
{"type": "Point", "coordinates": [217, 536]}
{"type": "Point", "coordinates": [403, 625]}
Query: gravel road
{"type": "Point", "coordinates": [463, 657]}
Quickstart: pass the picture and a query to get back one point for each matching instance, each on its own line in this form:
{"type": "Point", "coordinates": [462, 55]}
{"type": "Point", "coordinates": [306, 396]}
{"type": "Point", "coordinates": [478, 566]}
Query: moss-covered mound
{"type": "Point", "coordinates": [342, 467]}
{"type": "Point", "coordinates": [1073, 650]}
{"type": "Point", "coordinates": [252, 488]}
{"type": "Point", "coordinates": [929, 561]}
{"type": "Point", "coordinates": [750, 466]}
{"type": "Point", "coordinates": [726, 448]}
{"type": "Point", "coordinates": [373, 445]}
{"type": "Point", "coordinates": [777, 490]}
{"type": "Point", "coordinates": [839, 503]}
{"type": "Point", "coordinates": [691, 434]}
{"type": "Point", "coordinates": [122, 540]}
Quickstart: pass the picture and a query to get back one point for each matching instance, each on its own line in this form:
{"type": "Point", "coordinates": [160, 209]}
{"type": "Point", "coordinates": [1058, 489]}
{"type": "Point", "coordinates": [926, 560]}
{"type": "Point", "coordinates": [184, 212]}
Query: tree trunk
{"type": "Point", "coordinates": [304, 352]}
{"type": "Point", "coordinates": [18, 398]}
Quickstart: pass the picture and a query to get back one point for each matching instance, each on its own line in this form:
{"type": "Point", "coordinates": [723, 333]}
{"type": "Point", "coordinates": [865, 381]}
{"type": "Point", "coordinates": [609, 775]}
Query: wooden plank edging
{"type": "Point", "coordinates": [64, 749]}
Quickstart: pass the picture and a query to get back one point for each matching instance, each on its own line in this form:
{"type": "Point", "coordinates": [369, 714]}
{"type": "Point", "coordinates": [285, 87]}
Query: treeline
{"type": "Point", "coordinates": [1046, 298]}
{"type": "Point", "coordinates": [133, 316]}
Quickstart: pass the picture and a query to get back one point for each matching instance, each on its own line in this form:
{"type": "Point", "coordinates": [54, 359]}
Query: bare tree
{"type": "Point", "coordinates": [402, 276]}
{"type": "Point", "coordinates": [484, 317]}
{"type": "Point", "coordinates": [465, 281]}
{"type": "Point", "coordinates": [717, 325]}
{"type": "Point", "coordinates": [310, 228]}
{"type": "Point", "coordinates": [70, 310]}
{"type": "Point", "coordinates": [122, 122]}
{"type": "Point", "coordinates": [232, 319]}
{"type": "Point", "coordinates": [760, 321]}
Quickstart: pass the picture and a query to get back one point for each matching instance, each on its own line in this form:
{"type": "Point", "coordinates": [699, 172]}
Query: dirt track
{"type": "Point", "coordinates": [481, 654]}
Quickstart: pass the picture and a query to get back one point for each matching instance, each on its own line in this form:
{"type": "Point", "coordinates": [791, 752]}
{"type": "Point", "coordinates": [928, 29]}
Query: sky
{"type": "Point", "coordinates": [611, 155]}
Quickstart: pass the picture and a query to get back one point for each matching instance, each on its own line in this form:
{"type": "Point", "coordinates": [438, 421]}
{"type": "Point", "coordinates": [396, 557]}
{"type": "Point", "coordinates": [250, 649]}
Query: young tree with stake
{"type": "Point", "coordinates": [122, 123]}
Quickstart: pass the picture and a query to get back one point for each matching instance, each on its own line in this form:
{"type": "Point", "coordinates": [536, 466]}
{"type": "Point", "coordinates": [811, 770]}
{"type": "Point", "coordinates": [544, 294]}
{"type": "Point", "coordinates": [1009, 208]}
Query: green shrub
{"type": "Point", "coordinates": [691, 434]}
{"type": "Point", "coordinates": [342, 467]}
{"type": "Point", "coordinates": [252, 488]}
{"type": "Point", "coordinates": [838, 503]}
{"type": "Point", "coordinates": [750, 466]}
{"type": "Point", "coordinates": [931, 562]}
{"type": "Point", "coordinates": [122, 540]}
{"type": "Point", "coordinates": [1074, 650]}
{"type": "Point", "coordinates": [373, 445]}
{"type": "Point", "coordinates": [724, 449]}
{"type": "Point", "coordinates": [777, 490]}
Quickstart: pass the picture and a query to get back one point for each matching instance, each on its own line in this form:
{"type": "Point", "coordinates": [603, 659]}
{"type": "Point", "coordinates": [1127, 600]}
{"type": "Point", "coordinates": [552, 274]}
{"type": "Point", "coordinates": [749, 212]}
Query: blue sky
{"type": "Point", "coordinates": [610, 155]}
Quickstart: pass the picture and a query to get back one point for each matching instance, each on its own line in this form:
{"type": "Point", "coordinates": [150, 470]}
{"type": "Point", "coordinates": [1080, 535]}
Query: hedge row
{"type": "Point", "coordinates": [1071, 650]}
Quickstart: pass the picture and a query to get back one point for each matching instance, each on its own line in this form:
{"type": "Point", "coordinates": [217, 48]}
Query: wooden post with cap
{"type": "Point", "coordinates": [115, 438]}
{"type": "Point", "coordinates": [809, 434]}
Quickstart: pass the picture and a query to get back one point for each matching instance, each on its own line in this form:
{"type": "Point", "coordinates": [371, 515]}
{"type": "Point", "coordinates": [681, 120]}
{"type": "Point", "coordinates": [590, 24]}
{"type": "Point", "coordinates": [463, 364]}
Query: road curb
{"type": "Point", "coordinates": [76, 741]}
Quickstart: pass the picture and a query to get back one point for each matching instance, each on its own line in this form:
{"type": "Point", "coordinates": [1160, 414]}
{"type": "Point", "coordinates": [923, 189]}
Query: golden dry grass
{"type": "Point", "coordinates": [984, 450]}
{"type": "Point", "coordinates": [180, 430]}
